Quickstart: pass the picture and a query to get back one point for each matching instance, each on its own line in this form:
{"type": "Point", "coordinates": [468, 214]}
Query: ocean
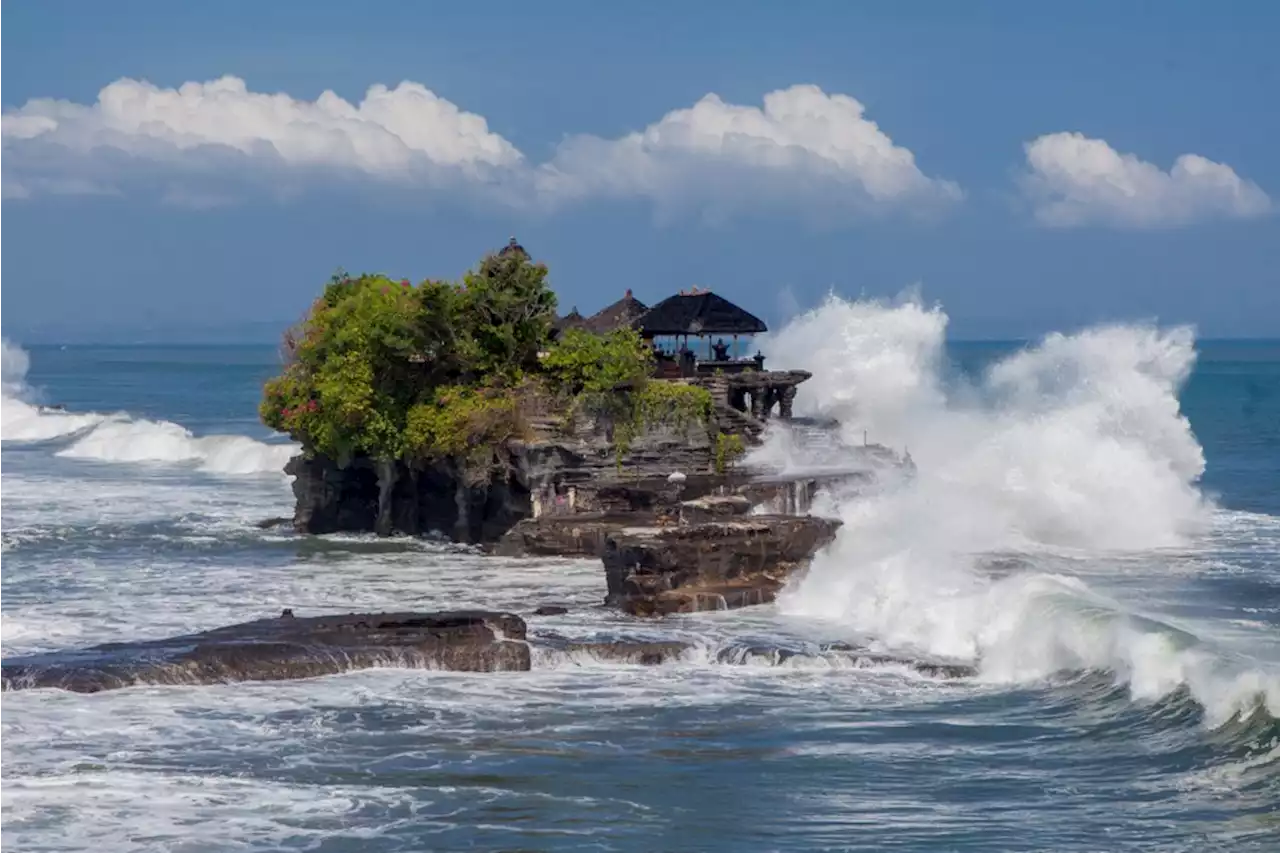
{"type": "Point", "coordinates": [1094, 525]}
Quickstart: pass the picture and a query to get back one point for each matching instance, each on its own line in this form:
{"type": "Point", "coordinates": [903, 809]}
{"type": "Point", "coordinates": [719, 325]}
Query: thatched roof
{"type": "Point", "coordinates": [511, 248]}
{"type": "Point", "coordinates": [701, 313]}
{"type": "Point", "coordinates": [572, 320]}
{"type": "Point", "coordinates": [619, 315]}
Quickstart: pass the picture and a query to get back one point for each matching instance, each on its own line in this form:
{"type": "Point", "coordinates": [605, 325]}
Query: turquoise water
{"type": "Point", "coordinates": [1126, 633]}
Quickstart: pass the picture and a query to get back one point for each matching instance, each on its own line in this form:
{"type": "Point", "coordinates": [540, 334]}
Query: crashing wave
{"type": "Point", "coordinates": [122, 438]}
{"type": "Point", "coordinates": [1075, 445]}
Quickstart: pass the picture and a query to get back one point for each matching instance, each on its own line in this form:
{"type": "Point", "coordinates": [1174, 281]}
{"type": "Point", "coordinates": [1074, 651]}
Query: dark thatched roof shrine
{"type": "Point", "coordinates": [572, 320]}
{"type": "Point", "coordinates": [512, 248]}
{"type": "Point", "coordinates": [619, 315]}
{"type": "Point", "coordinates": [701, 313]}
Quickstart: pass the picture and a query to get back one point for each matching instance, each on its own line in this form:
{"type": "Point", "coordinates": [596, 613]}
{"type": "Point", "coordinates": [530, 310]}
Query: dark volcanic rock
{"type": "Point", "coordinates": [561, 650]}
{"type": "Point", "coordinates": [477, 506]}
{"type": "Point", "coordinates": [851, 656]}
{"type": "Point", "coordinates": [714, 508]}
{"type": "Point", "coordinates": [284, 648]}
{"type": "Point", "coordinates": [572, 535]}
{"type": "Point", "coordinates": [713, 566]}
{"type": "Point", "coordinates": [551, 610]}
{"type": "Point", "coordinates": [392, 497]}
{"type": "Point", "coordinates": [631, 651]}
{"type": "Point", "coordinates": [330, 498]}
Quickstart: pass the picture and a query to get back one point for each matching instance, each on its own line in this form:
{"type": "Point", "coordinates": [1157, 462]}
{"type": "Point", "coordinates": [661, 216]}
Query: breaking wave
{"type": "Point", "coordinates": [1072, 449]}
{"type": "Point", "coordinates": [119, 437]}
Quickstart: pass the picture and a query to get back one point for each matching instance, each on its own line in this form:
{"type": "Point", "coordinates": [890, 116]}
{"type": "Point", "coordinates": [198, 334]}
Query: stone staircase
{"type": "Point", "coordinates": [730, 419]}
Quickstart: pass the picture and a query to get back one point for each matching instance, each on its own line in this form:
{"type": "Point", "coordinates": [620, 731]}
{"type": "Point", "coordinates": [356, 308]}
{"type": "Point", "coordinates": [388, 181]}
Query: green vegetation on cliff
{"type": "Point", "coordinates": [394, 370]}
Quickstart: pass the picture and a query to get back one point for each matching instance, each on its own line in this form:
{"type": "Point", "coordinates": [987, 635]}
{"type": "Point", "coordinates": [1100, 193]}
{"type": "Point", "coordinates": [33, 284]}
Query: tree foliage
{"type": "Point", "coordinates": [390, 369]}
{"type": "Point", "coordinates": [583, 362]}
{"type": "Point", "coordinates": [464, 423]}
{"type": "Point", "coordinates": [653, 404]}
{"type": "Point", "coordinates": [729, 448]}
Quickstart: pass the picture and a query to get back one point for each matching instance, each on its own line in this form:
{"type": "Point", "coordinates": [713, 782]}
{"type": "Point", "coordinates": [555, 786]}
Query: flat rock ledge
{"type": "Point", "coordinates": [718, 565]}
{"type": "Point", "coordinates": [572, 535]}
{"type": "Point", "coordinates": [286, 648]}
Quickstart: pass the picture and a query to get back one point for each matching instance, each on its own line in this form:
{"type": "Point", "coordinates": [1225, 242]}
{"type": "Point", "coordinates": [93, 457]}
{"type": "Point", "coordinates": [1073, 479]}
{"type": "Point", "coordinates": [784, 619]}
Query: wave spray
{"type": "Point", "coordinates": [1060, 459]}
{"type": "Point", "coordinates": [120, 437]}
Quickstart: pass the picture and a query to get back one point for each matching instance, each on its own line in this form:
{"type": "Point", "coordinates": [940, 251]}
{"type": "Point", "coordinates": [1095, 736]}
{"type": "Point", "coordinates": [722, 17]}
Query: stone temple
{"type": "Point", "coordinates": [699, 337]}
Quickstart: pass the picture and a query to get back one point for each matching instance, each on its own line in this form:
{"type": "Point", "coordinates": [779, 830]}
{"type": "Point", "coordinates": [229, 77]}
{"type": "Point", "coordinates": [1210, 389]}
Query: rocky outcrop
{"type": "Point", "coordinates": [574, 470]}
{"type": "Point", "coordinates": [471, 641]}
{"type": "Point", "coordinates": [572, 535]}
{"type": "Point", "coordinates": [644, 653]}
{"type": "Point", "coordinates": [437, 498]}
{"type": "Point", "coordinates": [610, 506]}
{"type": "Point", "coordinates": [714, 508]}
{"type": "Point", "coordinates": [286, 648]}
{"type": "Point", "coordinates": [712, 566]}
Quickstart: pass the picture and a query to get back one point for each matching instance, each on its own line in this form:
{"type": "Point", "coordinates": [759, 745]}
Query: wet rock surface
{"type": "Point", "coordinates": [289, 647]}
{"type": "Point", "coordinates": [714, 508]}
{"type": "Point", "coordinates": [847, 655]}
{"type": "Point", "coordinates": [286, 647]}
{"type": "Point", "coordinates": [648, 652]}
{"type": "Point", "coordinates": [645, 653]}
{"type": "Point", "coordinates": [712, 566]}
{"type": "Point", "coordinates": [574, 535]}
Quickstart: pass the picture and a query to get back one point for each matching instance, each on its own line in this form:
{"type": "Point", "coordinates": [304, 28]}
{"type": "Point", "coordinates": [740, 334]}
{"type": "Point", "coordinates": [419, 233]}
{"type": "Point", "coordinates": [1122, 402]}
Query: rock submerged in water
{"type": "Point", "coordinates": [286, 647]}
{"type": "Point", "coordinates": [289, 647]}
{"type": "Point", "coordinates": [712, 566]}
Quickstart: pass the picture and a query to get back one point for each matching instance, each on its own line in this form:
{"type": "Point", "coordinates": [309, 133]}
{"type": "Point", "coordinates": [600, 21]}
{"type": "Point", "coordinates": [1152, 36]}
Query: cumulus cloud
{"type": "Point", "coordinates": [1074, 180]}
{"type": "Point", "coordinates": [803, 144]}
{"type": "Point", "coordinates": [403, 134]}
{"type": "Point", "coordinates": [199, 143]}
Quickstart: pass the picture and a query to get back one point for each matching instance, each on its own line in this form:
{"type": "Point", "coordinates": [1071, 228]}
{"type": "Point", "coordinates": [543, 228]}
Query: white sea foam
{"type": "Point", "coordinates": [21, 418]}
{"type": "Point", "coordinates": [122, 438]}
{"type": "Point", "coordinates": [129, 440]}
{"type": "Point", "coordinates": [1076, 444]}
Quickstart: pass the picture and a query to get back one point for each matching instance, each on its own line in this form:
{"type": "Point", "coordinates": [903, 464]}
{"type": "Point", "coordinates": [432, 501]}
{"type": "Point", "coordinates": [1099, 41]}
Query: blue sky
{"type": "Point", "coordinates": [1020, 167]}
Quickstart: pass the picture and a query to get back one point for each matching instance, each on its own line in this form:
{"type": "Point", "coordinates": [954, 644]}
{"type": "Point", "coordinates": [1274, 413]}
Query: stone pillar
{"type": "Point", "coordinates": [771, 397]}
{"type": "Point", "coordinates": [786, 399]}
{"type": "Point", "coordinates": [757, 402]}
{"type": "Point", "coordinates": [384, 525]}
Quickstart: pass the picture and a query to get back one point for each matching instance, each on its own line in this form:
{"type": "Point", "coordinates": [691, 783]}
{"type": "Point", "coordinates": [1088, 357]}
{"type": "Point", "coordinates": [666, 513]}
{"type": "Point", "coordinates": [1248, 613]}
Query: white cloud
{"type": "Point", "coordinates": [405, 133]}
{"type": "Point", "coordinates": [803, 145]}
{"type": "Point", "coordinates": [205, 143]}
{"type": "Point", "coordinates": [1074, 180]}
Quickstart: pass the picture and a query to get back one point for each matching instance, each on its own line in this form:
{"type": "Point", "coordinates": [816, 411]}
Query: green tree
{"type": "Point", "coordinates": [510, 311]}
{"type": "Point", "coordinates": [372, 349]}
{"type": "Point", "coordinates": [392, 370]}
{"type": "Point", "coordinates": [582, 362]}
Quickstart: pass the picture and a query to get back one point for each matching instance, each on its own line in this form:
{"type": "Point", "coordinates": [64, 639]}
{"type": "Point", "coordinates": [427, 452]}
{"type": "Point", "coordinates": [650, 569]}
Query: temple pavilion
{"type": "Point", "coordinates": [698, 336]}
{"type": "Point", "coordinates": [698, 331]}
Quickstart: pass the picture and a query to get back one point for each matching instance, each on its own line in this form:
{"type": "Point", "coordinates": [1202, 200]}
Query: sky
{"type": "Point", "coordinates": [183, 172]}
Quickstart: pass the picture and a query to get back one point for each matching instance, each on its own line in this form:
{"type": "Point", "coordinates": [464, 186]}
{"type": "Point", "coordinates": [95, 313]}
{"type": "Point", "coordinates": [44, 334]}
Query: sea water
{"type": "Point", "coordinates": [1094, 525]}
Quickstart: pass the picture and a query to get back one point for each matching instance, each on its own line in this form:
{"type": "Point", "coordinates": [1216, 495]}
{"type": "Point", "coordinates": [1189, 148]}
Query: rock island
{"type": "Point", "coordinates": [473, 411]}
